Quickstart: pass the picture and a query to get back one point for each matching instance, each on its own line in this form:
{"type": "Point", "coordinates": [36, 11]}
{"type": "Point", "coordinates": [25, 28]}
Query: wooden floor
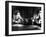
{"type": "Point", "coordinates": [30, 27]}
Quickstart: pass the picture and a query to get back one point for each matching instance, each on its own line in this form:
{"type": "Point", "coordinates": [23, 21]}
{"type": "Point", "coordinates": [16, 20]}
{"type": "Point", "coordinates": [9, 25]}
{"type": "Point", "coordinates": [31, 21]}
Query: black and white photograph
{"type": "Point", "coordinates": [24, 18]}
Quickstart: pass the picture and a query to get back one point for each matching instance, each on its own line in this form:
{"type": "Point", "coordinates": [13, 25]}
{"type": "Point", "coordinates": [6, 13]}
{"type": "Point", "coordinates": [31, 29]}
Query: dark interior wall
{"type": "Point", "coordinates": [26, 12]}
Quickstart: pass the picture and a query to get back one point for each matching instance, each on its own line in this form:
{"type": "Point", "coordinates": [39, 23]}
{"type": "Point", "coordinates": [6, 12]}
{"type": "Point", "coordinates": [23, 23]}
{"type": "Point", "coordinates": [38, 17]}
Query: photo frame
{"type": "Point", "coordinates": [28, 13]}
